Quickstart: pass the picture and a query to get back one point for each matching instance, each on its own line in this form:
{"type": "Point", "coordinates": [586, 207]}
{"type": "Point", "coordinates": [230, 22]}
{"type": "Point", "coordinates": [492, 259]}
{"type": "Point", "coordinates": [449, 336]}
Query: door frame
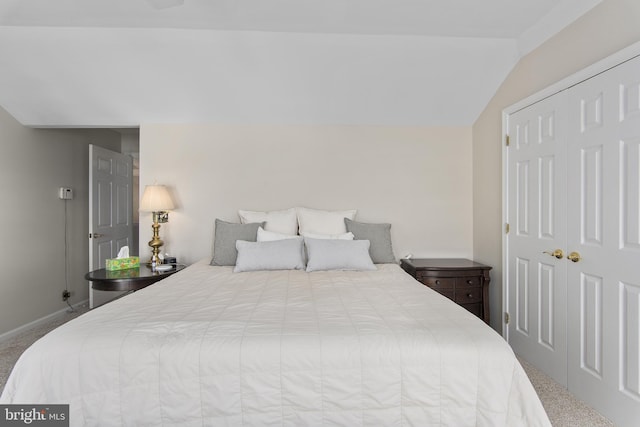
{"type": "Point", "coordinates": [601, 66]}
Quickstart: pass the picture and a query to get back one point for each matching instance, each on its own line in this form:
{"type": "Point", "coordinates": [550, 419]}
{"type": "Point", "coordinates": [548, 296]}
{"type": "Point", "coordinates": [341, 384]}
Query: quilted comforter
{"type": "Point", "coordinates": [207, 346]}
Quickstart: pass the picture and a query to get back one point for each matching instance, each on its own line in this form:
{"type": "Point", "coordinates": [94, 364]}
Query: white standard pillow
{"type": "Point", "coordinates": [334, 254]}
{"type": "Point", "coordinates": [323, 222]}
{"type": "Point", "coordinates": [344, 236]}
{"type": "Point", "coordinates": [270, 236]}
{"type": "Point", "coordinates": [285, 222]}
{"type": "Point", "coordinates": [284, 254]}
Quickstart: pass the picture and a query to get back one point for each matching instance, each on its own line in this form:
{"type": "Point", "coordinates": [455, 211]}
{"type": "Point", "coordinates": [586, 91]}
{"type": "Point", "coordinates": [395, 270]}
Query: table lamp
{"type": "Point", "coordinates": [156, 199]}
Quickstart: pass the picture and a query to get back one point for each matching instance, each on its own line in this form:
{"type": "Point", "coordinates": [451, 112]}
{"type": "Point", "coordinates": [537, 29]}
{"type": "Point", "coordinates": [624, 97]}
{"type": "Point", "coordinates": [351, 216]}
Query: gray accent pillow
{"type": "Point", "coordinates": [379, 235]}
{"type": "Point", "coordinates": [334, 254]}
{"type": "Point", "coordinates": [286, 254]}
{"type": "Point", "coordinates": [226, 235]}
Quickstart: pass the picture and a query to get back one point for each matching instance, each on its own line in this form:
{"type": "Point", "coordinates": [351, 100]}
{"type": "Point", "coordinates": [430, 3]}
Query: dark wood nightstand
{"type": "Point", "coordinates": [464, 281]}
{"type": "Point", "coordinates": [130, 279]}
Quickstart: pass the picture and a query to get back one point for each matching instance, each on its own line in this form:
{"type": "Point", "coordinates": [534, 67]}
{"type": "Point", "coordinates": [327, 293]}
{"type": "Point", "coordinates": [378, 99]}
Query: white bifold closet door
{"type": "Point", "coordinates": [582, 196]}
{"type": "Point", "coordinates": [537, 216]}
{"type": "Point", "coordinates": [603, 225]}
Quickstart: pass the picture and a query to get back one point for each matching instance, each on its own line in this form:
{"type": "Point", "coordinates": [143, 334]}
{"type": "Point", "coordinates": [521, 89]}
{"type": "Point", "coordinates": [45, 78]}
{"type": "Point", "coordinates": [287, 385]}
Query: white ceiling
{"type": "Point", "coordinates": [120, 63]}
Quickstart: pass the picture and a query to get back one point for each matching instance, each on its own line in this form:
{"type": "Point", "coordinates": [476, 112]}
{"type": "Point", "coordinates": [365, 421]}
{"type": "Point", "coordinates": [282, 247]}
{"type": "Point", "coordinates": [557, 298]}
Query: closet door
{"type": "Point", "coordinates": [536, 212]}
{"type": "Point", "coordinates": [604, 229]}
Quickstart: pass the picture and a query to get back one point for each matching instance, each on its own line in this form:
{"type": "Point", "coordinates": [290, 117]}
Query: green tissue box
{"type": "Point", "coordinates": [129, 273]}
{"type": "Point", "coordinates": [123, 263]}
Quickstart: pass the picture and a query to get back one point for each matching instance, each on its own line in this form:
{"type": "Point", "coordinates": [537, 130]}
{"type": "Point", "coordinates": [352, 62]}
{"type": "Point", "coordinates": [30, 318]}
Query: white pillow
{"type": "Point", "coordinates": [334, 254]}
{"type": "Point", "coordinates": [284, 254]}
{"type": "Point", "coordinates": [285, 222]}
{"type": "Point", "coordinates": [323, 222]}
{"type": "Point", "coordinates": [270, 236]}
{"type": "Point", "coordinates": [344, 236]}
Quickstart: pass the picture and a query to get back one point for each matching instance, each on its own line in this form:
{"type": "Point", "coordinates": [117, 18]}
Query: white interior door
{"type": "Point", "coordinates": [597, 142]}
{"type": "Point", "coordinates": [110, 208]}
{"type": "Point", "coordinates": [604, 228]}
{"type": "Point", "coordinates": [536, 213]}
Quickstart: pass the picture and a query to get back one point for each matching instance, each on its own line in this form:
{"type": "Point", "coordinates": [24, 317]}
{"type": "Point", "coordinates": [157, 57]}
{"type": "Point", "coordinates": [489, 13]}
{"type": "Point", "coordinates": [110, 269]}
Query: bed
{"type": "Point", "coordinates": [208, 346]}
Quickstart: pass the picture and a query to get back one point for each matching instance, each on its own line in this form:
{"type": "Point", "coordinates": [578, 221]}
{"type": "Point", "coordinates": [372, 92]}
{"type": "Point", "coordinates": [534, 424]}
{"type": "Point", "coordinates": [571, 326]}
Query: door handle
{"type": "Point", "coordinates": [96, 235]}
{"type": "Point", "coordinates": [557, 253]}
{"type": "Point", "coordinates": [574, 256]}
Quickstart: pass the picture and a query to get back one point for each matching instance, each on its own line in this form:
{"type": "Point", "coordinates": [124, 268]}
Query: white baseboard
{"type": "Point", "coordinates": [12, 333]}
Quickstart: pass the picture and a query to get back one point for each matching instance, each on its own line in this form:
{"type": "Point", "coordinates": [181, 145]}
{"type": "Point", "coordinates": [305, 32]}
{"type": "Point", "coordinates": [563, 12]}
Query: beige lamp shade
{"type": "Point", "coordinates": [156, 198]}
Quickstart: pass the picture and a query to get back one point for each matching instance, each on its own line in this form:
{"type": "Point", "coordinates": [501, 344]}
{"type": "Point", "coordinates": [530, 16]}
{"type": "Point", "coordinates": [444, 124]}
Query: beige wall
{"type": "Point", "coordinates": [418, 179]}
{"type": "Point", "coordinates": [609, 27]}
{"type": "Point", "coordinates": [33, 165]}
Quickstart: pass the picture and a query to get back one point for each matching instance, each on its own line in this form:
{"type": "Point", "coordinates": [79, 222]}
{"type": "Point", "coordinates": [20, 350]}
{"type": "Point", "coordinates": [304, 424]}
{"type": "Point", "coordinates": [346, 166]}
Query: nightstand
{"type": "Point", "coordinates": [464, 281]}
{"type": "Point", "coordinates": [130, 279]}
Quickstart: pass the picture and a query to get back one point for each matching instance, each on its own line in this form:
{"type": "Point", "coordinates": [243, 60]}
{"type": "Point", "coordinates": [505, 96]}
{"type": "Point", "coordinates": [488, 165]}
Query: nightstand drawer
{"type": "Point", "coordinates": [438, 282]}
{"type": "Point", "coordinates": [465, 296]}
{"type": "Point", "coordinates": [471, 282]}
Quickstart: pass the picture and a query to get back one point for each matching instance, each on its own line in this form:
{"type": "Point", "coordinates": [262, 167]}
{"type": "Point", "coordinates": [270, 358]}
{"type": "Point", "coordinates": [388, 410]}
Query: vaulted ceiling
{"type": "Point", "coordinates": [120, 63]}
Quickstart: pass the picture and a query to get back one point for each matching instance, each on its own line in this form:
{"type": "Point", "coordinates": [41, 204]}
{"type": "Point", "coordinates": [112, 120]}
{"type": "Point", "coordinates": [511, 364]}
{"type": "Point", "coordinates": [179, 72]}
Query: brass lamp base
{"type": "Point", "coordinates": [155, 243]}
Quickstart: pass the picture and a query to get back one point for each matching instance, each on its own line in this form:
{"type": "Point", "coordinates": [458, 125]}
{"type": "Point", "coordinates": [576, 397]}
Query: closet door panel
{"type": "Point", "coordinates": [630, 196]}
{"type": "Point", "coordinates": [537, 214]}
{"type": "Point", "coordinates": [602, 226]}
{"type": "Point", "coordinates": [630, 348]}
{"type": "Point", "coordinates": [628, 234]}
{"type": "Point", "coordinates": [591, 188]}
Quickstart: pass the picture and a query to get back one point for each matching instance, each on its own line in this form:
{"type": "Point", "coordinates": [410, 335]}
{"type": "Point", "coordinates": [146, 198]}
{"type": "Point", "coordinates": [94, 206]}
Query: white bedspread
{"type": "Point", "coordinates": [287, 348]}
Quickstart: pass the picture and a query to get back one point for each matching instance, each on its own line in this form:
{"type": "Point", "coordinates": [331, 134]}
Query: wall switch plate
{"type": "Point", "coordinates": [65, 193]}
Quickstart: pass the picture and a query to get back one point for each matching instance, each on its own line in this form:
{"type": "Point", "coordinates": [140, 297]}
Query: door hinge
{"type": "Point", "coordinates": [506, 140]}
{"type": "Point", "coordinates": [506, 318]}
{"type": "Point", "coordinates": [506, 228]}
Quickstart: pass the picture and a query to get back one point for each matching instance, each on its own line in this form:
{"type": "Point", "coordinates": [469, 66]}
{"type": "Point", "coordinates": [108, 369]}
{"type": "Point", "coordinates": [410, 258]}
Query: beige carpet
{"type": "Point", "coordinates": [563, 408]}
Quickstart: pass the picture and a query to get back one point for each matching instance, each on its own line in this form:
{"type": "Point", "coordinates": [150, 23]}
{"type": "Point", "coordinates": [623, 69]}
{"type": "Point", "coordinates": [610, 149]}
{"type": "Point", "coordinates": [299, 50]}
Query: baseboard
{"type": "Point", "coordinates": [12, 333]}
